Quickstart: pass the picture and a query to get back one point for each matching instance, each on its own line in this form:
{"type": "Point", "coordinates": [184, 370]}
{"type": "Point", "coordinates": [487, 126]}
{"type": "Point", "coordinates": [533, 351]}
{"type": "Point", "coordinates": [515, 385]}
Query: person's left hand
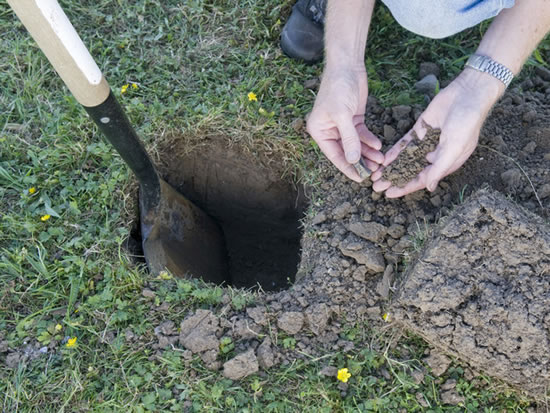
{"type": "Point", "coordinates": [459, 111]}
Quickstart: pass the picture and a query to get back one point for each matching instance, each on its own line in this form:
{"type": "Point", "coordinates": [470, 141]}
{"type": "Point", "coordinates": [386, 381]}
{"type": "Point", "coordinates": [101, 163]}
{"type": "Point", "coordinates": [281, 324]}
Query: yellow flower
{"type": "Point", "coordinates": [71, 342]}
{"type": "Point", "coordinates": [134, 86]}
{"type": "Point", "coordinates": [343, 375]}
{"type": "Point", "coordinates": [252, 97]}
{"type": "Point", "coordinates": [386, 317]}
{"type": "Point", "coordinates": [44, 218]}
{"type": "Point", "coordinates": [124, 88]}
{"type": "Point", "coordinates": [58, 327]}
{"type": "Point", "coordinates": [32, 190]}
{"type": "Point", "coordinates": [163, 275]}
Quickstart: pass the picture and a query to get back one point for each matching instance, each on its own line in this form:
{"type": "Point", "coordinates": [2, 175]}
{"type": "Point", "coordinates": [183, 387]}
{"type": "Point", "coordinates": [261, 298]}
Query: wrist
{"type": "Point", "coordinates": [483, 85]}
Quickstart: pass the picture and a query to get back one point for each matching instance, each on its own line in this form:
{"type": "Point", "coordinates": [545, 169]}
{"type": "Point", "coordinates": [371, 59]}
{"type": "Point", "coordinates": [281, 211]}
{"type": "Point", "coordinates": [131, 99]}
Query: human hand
{"type": "Point", "coordinates": [459, 111]}
{"type": "Point", "coordinates": [337, 121]}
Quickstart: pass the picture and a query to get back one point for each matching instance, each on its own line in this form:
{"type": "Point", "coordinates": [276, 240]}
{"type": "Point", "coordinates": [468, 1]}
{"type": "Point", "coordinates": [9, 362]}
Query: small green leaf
{"type": "Point", "coordinates": [538, 57]}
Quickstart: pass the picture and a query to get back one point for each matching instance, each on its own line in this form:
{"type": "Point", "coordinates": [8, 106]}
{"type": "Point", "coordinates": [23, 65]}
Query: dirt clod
{"type": "Point", "coordinates": [317, 317]}
{"type": "Point", "coordinates": [452, 397]}
{"type": "Point", "coordinates": [342, 210]}
{"type": "Point", "coordinates": [258, 314]}
{"type": "Point", "coordinates": [241, 366]}
{"type": "Point", "coordinates": [291, 322]}
{"type": "Point", "coordinates": [371, 231]}
{"type": "Point", "coordinates": [198, 332]}
{"type": "Point", "coordinates": [438, 363]}
{"type": "Point", "coordinates": [480, 290]}
{"type": "Point", "coordinates": [266, 356]}
{"type": "Point", "coordinates": [364, 253]}
{"type": "Point", "coordinates": [412, 159]}
{"type": "Point", "coordinates": [401, 112]}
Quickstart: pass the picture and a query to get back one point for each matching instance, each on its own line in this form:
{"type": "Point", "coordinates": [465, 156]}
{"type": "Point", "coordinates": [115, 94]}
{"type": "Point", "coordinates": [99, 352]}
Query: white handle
{"type": "Point", "coordinates": [57, 38]}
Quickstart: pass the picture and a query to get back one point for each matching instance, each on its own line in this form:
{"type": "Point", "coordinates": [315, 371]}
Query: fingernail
{"type": "Point", "coordinates": [352, 157]}
{"type": "Point", "coordinates": [432, 186]}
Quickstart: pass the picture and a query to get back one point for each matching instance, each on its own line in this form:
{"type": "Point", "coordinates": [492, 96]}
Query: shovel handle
{"type": "Point", "coordinates": [57, 38]}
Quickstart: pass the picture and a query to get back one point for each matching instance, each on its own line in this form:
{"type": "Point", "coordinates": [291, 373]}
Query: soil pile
{"type": "Point", "coordinates": [481, 290]}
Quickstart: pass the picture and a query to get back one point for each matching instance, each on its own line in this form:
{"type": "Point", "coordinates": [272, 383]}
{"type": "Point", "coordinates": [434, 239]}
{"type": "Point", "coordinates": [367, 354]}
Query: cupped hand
{"type": "Point", "coordinates": [459, 111]}
{"type": "Point", "coordinates": [337, 121]}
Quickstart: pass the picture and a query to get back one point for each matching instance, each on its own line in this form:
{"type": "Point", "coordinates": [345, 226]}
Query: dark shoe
{"type": "Point", "coordinates": [302, 36]}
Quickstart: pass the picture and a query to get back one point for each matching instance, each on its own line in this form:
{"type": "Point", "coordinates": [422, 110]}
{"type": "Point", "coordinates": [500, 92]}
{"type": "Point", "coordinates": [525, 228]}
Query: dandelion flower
{"type": "Point", "coordinates": [124, 88]}
{"type": "Point", "coordinates": [44, 218]}
{"type": "Point", "coordinates": [134, 86]}
{"type": "Point", "coordinates": [58, 327]}
{"type": "Point", "coordinates": [32, 190]}
{"type": "Point", "coordinates": [71, 342]}
{"type": "Point", "coordinates": [252, 97]}
{"type": "Point", "coordinates": [343, 375]}
{"type": "Point", "coordinates": [386, 317]}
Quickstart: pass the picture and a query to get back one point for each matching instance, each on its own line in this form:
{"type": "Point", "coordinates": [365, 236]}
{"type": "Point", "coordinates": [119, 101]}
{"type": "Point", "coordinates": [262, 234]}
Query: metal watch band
{"type": "Point", "coordinates": [488, 65]}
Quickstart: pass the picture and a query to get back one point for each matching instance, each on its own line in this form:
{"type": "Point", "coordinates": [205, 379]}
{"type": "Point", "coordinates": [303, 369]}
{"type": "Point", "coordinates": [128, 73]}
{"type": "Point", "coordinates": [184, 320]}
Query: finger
{"type": "Point", "coordinates": [350, 139]}
{"type": "Point", "coordinates": [376, 175]}
{"type": "Point", "coordinates": [368, 137]}
{"type": "Point", "coordinates": [333, 151]}
{"type": "Point", "coordinates": [380, 186]}
{"type": "Point", "coordinates": [371, 154]}
{"type": "Point", "coordinates": [439, 169]}
{"type": "Point", "coordinates": [415, 185]}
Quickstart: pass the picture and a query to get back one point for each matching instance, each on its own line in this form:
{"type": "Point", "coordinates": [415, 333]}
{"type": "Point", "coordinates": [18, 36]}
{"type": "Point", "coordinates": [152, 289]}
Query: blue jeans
{"type": "Point", "coordinates": [442, 18]}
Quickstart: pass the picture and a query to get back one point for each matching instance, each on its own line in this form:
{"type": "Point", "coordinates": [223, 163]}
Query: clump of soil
{"type": "Point", "coordinates": [412, 158]}
{"type": "Point", "coordinates": [481, 290]}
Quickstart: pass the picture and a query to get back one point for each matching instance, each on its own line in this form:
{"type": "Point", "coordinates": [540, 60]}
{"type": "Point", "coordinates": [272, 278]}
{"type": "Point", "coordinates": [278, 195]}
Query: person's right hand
{"type": "Point", "coordinates": [337, 121]}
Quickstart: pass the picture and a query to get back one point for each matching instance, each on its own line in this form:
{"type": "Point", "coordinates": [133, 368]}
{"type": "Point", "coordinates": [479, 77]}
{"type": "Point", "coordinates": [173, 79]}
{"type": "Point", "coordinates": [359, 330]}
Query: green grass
{"type": "Point", "coordinates": [194, 63]}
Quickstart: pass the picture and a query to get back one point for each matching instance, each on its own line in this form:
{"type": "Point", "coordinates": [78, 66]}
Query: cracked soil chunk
{"type": "Point", "coordinates": [198, 332]}
{"type": "Point", "coordinates": [481, 290]}
{"type": "Point", "coordinates": [241, 366]}
{"type": "Point", "coordinates": [291, 322]}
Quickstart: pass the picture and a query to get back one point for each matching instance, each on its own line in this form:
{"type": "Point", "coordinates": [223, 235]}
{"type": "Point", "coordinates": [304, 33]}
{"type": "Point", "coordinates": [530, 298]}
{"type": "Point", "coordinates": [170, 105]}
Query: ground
{"type": "Point", "coordinates": [154, 343]}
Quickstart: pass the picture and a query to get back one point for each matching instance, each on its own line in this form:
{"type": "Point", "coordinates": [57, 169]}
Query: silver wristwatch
{"type": "Point", "coordinates": [488, 65]}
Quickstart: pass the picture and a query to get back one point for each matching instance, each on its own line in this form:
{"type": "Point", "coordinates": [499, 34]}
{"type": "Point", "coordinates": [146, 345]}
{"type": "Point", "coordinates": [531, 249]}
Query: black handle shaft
{"type": "Point", "coordinates": [113, 122]}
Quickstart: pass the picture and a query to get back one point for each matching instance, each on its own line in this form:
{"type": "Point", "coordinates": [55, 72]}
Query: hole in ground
{"type": "Point", "coordinates": [258, 211]}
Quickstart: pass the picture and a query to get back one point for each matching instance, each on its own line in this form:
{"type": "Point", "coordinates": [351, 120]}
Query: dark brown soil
{"type": "Point", "coordinates": [412, 159]}
{"type": "Point", "coordinates": [481, 290]}
{"type": "Point", "coordinates": [258, 210]}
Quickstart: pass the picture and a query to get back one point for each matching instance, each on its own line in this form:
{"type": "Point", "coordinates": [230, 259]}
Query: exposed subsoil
{"type": "Point", "coordinates": [355, 244]}
{"type": "Point", "coordinates": [480, 290]}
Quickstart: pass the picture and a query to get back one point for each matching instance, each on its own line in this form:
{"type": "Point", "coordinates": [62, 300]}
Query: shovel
{"type": "Point", "coordinates": [177, 236]}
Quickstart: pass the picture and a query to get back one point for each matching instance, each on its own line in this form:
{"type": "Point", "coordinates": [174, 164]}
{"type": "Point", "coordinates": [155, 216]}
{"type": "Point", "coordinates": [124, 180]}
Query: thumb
{"type": "Point", "coordinates": [350, 139]}
{"type": "Point", "coordinates": [439, 170]}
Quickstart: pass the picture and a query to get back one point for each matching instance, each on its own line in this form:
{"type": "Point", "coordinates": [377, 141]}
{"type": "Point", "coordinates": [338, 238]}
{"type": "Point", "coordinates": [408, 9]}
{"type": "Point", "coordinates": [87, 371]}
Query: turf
{"type": "Point", "coordinates": [67, 201]}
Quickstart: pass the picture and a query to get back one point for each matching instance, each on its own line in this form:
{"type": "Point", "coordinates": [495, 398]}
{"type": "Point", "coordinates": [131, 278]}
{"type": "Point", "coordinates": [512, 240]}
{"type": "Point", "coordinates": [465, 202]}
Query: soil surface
{"type": "Point", "coordinates": [481, 290]}
{"type": "Point", "coordinates": [356, 244]}
{"type": "Point", "coordinates": [412, 159]}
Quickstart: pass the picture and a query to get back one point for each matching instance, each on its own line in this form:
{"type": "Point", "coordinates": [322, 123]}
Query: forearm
{"type": "Point", "coordinates": [510, 40]}
{"type": "Point", "coordinates": [347, 25]}
{"type": "Point", "coordinates": [516, 32]}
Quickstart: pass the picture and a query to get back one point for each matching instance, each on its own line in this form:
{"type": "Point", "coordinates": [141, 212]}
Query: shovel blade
{"type": "Point", "coordinates": [179, 237]}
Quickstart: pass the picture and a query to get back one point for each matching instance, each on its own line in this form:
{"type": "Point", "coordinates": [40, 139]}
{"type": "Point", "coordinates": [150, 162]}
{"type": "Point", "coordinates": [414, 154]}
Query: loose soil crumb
{"type": "Point", "coordinates": [412, 159]}
{"type": "Point", "coordinates": [481, 290]}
